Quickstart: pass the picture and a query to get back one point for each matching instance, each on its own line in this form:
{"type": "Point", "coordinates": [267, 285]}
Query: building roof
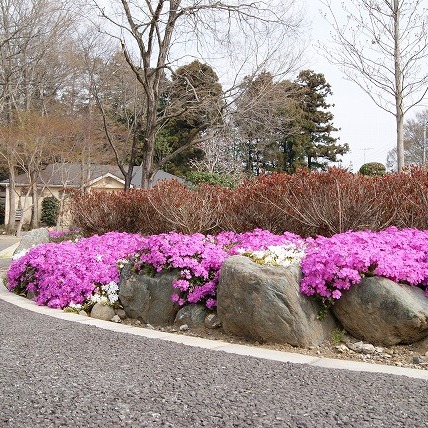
{"type": "Point", "coordinates": [76, 175]}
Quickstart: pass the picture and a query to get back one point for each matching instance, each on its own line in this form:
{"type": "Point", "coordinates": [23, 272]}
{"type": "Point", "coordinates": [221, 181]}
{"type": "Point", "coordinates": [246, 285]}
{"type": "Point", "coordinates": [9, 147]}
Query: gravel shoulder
{"type": "Point", "coordinates": [411, 356]}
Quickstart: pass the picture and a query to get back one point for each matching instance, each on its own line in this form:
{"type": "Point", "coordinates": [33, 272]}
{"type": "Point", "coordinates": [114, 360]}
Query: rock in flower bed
{"type": "Point", "coordinates": [381, 311]}
{"type": "Point", "coordinates": [263, 303]}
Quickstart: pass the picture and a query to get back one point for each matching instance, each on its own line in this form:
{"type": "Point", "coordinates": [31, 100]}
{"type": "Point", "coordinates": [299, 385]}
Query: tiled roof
{"type": "Point", "coordinates": [74, 174]}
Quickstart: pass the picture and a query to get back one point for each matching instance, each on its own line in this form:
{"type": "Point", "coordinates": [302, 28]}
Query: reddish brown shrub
{"type": "Point", "coordinates": [306, 203]}
{"type": "Point", "coordinates": [327, 203]}
{"type": "Point", "coordinates": [407, 198]}
{"type": "Point", "coordinates": [252, 205]}
{"type": "Point", "coordinates": [101, 212]}
{"type": "Point", "coordinates": [187, 210]}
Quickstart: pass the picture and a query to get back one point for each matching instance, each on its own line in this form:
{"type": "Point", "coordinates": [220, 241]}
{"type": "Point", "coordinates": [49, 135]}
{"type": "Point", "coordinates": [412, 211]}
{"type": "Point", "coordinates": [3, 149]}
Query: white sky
{"type": "Point", "coordinates": [369, 130]}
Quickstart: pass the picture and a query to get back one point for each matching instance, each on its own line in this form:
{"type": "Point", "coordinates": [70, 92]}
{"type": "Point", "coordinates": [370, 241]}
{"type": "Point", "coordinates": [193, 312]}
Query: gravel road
{"type": "Point", "coordinates": [56, 373]}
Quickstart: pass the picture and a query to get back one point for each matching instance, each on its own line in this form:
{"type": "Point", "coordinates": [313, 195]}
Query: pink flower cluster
{"type": "Point", "coordinates": [66, 272]}
{"type": "Point", "coordinates": [199, 258]}
{"type": "Point", "coordinates": [333, 265]}
{"type": "Point", "coordinates": [61, 233]}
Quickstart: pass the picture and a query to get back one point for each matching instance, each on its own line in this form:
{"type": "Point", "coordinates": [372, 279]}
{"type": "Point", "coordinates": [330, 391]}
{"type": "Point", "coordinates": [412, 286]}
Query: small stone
{"type": "Point", "coordinates": [121, 313]}
{"type": "Point", "coordinates": [184, 327]}
{"type": "Point", "coordinates": [150, 327]}
{"type": "Point", "coordinates": [193, 314]}
{"type": "Point", "coordinates": [83, 313]}
{"type": "Point", "coordinates": [116, 319]}
{"type": "Point", "coordinates": [212, 321]}
{"type": "Point", "coordinates": [378, 350]}
{"type": "Point", "coordinates": [426, 354]}
{"type": "Point", "coordinates": [385, 355]}
{"type": "Point", "coordinates": [364, 348]}
{"type": "Point", "coordinates": [102, 312]}
{"type": "Point", "coordinates": [342, 348]}
{"type": "Point", "coordinates": [417, 359]}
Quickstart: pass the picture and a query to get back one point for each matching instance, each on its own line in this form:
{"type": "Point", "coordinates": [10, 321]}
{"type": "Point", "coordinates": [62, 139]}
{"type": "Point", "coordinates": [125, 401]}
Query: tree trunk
{"type": "Point", "coordinates": [12, 201]}
{"type": "Point", "coordinates": [148, 171]}
{"type": "Point", "coordinates": [399, 114]}
{"type": "Point", "coordinates": [35, 208]}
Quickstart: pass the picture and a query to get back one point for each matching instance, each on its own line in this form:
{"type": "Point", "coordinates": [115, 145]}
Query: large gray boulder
{"type": "Point", "coordinates": [149, 298]}
{"type": "Point", "coordinates": [383, 312]}
{"type": "Point", "coordinates": [33, 238]}
{"type": "Point", "coordinates": [264, 303]}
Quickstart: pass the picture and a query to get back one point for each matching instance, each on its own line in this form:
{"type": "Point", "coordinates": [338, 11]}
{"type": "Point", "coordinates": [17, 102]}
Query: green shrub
{"type": "Point", "coordinates": [373, 169]}
{"type": "Point", "coordinates": [50, 208]}
{"type": "Point", "coordinates": [213, 178]}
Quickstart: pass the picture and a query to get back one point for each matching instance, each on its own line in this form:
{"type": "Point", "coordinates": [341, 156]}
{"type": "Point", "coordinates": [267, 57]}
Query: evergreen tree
{"type": "Point", "coordinates": [313, 146]}
{"type": "Point", "coordinates": [194, 102]}
{"type": "Point", "coordinates": [286, 125]}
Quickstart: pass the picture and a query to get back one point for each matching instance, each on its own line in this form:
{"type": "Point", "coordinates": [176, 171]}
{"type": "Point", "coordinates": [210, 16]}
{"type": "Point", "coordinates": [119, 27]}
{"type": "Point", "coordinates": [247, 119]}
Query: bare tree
{"type": "Point", "coordinates": [116, 93]}
{"type": "Point", "coordinates": [157, 35]}
{"type": "Point", "coordinates": [221, 156]}
{"type": "Point", "coordinates": [415, 150]}
{"type": "Point", "coordinates": [31, 36]}
{"type": "Point", "coordinates": [383, 46]}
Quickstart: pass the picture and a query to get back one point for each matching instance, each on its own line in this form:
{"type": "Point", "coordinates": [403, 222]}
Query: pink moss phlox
{"type": "Point", "coordinates": [66, 272]}
{"type": "Point", "coordinates": [332, 265]}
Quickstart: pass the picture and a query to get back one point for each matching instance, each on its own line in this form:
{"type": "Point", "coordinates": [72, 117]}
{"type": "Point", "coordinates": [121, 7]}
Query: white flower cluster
{"type": "Point", "coordinates": [121, 263]}
{"type": "Point", "coordinates": [107, 294]}
{"type": "Point", "coordinates": [75, 306]}
{"type": "Point", "coordinates": [277, 255]}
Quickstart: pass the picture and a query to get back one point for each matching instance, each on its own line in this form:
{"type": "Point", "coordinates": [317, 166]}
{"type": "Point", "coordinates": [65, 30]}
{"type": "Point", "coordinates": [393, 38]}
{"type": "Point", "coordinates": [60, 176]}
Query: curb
{"type": "Point", "coordinates": [7, 253]}
{"type": "Point", "coordinates": [215, 345]}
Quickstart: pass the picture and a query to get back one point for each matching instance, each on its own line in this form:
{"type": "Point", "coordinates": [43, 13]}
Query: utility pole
{"type": "Point", "coordinates": [364, 150]}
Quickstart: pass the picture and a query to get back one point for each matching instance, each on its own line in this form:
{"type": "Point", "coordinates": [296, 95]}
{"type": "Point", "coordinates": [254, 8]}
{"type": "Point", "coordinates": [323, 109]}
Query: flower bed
{"type": "Point", "coordinates": [333, 265]}
{"type": "Point", "coordinates": [60, 274]}
{"type": "Point", "coordinates": [70, 272]}
{"type": "Point", "coordinates": [199, 258]}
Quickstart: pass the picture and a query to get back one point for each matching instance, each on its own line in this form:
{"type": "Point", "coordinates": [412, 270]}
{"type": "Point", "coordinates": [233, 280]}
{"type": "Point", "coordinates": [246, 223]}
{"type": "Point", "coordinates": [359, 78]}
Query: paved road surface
{"type": "Point", "coordinates": [56, 373]}
{"type": "Point", "coordinates": [5, 242]}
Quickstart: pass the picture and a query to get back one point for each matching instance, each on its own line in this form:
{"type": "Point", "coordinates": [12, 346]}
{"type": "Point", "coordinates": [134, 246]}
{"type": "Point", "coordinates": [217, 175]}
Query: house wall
{"type": "Point", "coordinates": [106, 184]}
{"type": "Point", "coordinates": [25, 202]}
